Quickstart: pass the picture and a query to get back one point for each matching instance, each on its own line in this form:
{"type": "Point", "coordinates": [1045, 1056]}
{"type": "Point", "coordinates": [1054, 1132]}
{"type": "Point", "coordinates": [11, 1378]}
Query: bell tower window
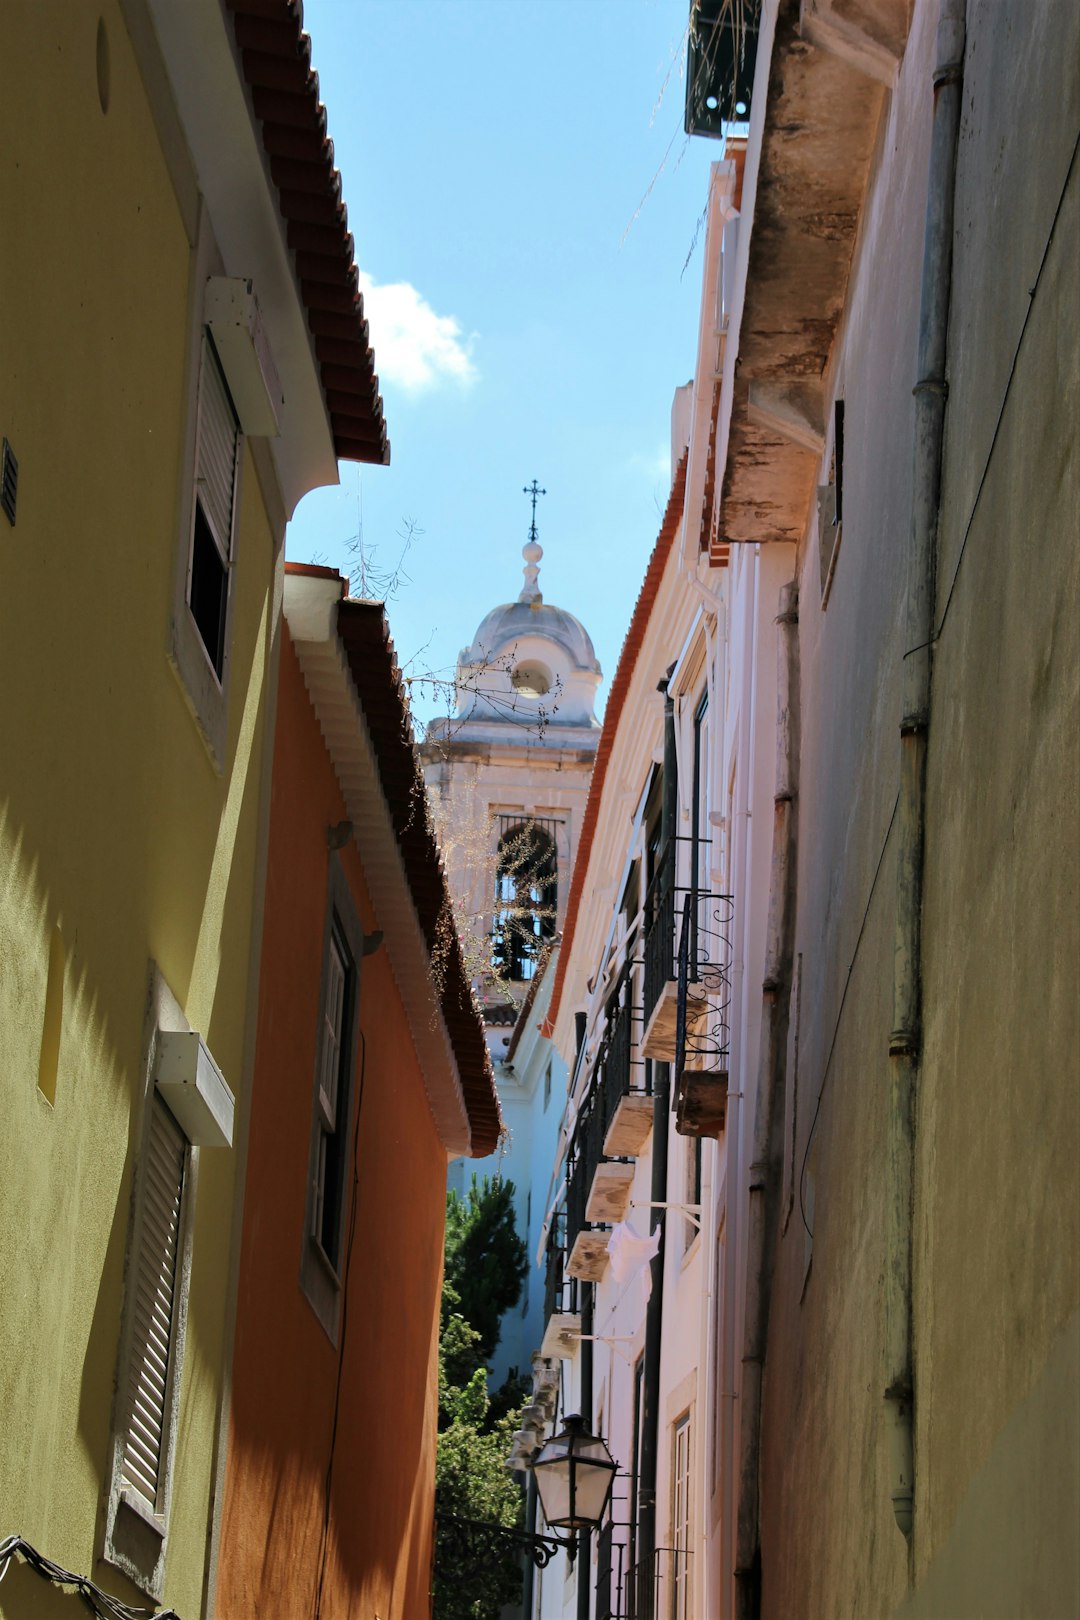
{"type": "Point", "coordinates": [526, 895]}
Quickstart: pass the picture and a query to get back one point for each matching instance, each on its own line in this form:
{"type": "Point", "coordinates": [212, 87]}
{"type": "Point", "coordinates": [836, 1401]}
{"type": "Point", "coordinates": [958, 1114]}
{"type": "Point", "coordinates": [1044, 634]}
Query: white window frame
{"type": "Point", "coordinates": [136, 1528]}
{"type": "Point", "coordinates": [218, 454]}
{"type": "Point", "coordinates": [682, 1476]}
{"type": "Point", "coordinates": [333, 1104]}
{"type": "Point", "coordinates": [206, 692]}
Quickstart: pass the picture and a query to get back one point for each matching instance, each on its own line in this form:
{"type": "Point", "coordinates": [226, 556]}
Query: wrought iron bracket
{"type": "Point", "coordinates": [469, 1545]}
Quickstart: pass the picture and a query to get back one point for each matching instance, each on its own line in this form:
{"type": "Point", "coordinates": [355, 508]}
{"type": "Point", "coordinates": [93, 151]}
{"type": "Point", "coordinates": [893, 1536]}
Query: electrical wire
{"type": "Point", "coordinates": [1032, 290]}
{"type": "Point", "coordinates": [324, 1544]}
{"type": "Point", "coordinates": [840, 1013]}
{"type": "Point", "coordinates": [100, 1603]}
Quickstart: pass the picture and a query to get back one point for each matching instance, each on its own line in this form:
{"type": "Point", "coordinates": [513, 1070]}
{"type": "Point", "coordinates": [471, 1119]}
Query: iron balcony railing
{"type": "Point", "coordinates": [585, 1154]}
{"type": "Point", "coordinates": [688, 940]}
{"type": "Point", "coordinates": [658, 1587]}
{"type": "Point", "coordinates": [659, 968]}
{"type": "Point", "coordinates": [702, 1034]}
{"type": "Point", "coordinates": [621, 1071]}
{"type": "Point", "coordinates": [560, 1290]}
{"type": "Point", "coordinates": [609, 1573]}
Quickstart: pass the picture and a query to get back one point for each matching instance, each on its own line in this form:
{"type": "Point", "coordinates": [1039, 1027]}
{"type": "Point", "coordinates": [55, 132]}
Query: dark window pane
{"type": "Point", "coordinates": [209, 590]}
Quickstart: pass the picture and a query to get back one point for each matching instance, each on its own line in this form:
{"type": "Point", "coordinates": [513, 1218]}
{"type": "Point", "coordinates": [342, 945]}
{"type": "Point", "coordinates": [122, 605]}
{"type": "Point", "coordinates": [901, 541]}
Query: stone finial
{"type": "Point", "coordinates": [532, 552]}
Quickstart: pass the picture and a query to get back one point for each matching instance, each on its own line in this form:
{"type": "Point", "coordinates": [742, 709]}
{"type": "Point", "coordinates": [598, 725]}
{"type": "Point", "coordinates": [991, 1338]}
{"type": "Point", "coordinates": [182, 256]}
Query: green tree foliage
{"type": "Point", "coordinates": [485, 1267]}
{"type": "Point", "coordinates": [486, 1261]}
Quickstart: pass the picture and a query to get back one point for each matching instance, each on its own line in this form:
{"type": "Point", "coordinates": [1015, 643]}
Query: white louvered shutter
{"type": "Point", "coordinates": [146, 1439]}
{"type": "Point", "coordinates": [219, 436]}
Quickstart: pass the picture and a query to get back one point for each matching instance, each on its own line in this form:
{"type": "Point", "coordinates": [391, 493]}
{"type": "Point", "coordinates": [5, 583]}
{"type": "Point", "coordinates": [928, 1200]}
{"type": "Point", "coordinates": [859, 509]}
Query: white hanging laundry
{"type": "Point", "coordinates": [629, 1255]}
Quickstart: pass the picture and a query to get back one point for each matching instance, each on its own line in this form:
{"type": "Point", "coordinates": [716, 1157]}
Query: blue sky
{"type": "Point", "coordinates": [523, 201]}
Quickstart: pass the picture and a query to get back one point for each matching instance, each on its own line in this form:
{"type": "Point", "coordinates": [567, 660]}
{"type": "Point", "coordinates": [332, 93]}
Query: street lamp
{"type": "Point", "coordinates": [574, 1474]}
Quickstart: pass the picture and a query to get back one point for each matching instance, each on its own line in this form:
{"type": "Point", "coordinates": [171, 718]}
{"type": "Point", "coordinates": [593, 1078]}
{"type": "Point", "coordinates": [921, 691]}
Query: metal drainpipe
{"type": "Point", "coordinates": [654, 1317]}
{"type": "Point", "coordinates": [585, 1406]}
{"type": "Point", "coordinates": [766, 1162]}
{"type": "Point", "coordinates": [654, 1311]}
{"type": "Point", "coordinates": [905, 1041]}
{"type": "Point", "coordinates": [731, 1374]}
{"type": "Point", "coordinates": [529, 1578]}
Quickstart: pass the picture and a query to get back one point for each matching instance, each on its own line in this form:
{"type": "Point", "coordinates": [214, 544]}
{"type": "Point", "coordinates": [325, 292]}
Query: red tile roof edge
{"type": "Point", "coordinates": [365, 636]}
{"type": "Point", "coordinates": [620, 687]}
{"type": "Point", "coordinates": [527, 1005]}
{"type": "Point", "coordinates": [317, 571]}
{"type": "Point", "coordinates": [275, 58]}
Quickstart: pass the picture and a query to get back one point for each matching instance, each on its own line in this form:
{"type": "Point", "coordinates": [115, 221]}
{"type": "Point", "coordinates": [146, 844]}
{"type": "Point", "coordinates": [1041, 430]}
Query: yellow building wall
{"type": "Point", "coordinates": [120, 842]}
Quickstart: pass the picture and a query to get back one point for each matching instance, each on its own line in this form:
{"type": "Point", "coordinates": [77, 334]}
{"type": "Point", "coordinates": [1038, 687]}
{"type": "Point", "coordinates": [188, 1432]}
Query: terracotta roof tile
{"type": "Point", "coordinates": [275, 56]}
{"type": "Point", "coordinates": [365, 636]}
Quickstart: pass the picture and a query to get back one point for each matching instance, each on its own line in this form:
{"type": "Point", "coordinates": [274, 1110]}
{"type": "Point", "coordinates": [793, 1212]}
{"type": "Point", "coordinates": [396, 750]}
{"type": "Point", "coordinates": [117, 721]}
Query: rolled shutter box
{"type": "Point", "coordinates": [231, 311]}
{"type": "Point", "coordinates": [194, 1088]}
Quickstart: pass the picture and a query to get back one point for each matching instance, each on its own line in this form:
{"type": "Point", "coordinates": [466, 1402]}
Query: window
{"type": "Point", "coordinates": [334, 1077]}
{"type": "Point", "coordinates": [211, 476]}
{"type": "Point", "coordinates": [323, 1257]}
{"type": "Point", "coordinates": [831, 507]}
{"type": "Point", "coordinates": [547, 1085]}
{"type": "Point", "coordinates": [636, 1446]}
{"type": "Point", "coordinates": [152, 1360]}
{"type": "Point", "coordinates": [218, 440]}
{"type": "Point", "coordinates": [692, 1186]}
{"type": "Point", "coordinates": [680, 1519]}
{"type": "Point", "coordinates": [151, 1348]}
{"type": "Point", "coordinates": [526, 895]}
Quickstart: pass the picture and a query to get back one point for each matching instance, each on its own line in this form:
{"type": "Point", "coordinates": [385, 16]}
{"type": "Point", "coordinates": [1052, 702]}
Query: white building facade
{"type": "Point", "coordinates": [508, 777]}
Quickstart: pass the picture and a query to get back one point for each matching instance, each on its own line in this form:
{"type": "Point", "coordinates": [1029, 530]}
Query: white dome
{"type": "Point", "coordinates": [518, 622]}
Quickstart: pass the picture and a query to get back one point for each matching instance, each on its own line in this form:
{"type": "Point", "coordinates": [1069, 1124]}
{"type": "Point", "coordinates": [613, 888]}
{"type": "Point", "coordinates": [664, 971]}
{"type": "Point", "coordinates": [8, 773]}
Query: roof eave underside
{"type": "Point", "coordinates": [818, 140]}
{"type": "Point", "coordinates": [377, 681]}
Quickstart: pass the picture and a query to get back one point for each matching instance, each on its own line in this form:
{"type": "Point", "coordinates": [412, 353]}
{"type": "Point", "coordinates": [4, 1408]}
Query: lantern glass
{"type": "Point", "coordinates": [574, 1474]}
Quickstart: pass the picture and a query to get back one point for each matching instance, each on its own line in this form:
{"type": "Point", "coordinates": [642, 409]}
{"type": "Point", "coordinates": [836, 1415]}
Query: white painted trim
{"type": "Point", "coordinates": [141, 1552]}
{"type": "Point", "coordinates": [311, 614]}
{"type": "Point", "coordinates": [204, 78]}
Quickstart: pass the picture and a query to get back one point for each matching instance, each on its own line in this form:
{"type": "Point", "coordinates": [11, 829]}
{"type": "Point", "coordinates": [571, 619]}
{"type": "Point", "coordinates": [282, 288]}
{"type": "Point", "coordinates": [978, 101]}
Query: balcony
{"type": "Point", "coordinates": [625, 1093]}
{"type": "Point", "coordinates": [587, 1247]}
{"type": "Point", "coordinates": [702, 1041]}
{"type": "Point", "coordinates": [721, 59]}
{"type": "Point", "coordinates": [702, 1002]}
{"type": "Point", "coordinates": [658, 1587]}
{"type": "Point", "coordinates": [562, 1316]}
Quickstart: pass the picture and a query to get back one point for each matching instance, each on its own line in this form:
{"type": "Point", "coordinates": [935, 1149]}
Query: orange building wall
{"type": "Point", "coordinates": [285, 1367]}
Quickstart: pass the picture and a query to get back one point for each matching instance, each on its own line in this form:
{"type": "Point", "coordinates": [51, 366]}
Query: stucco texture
{"type": "Point", "coordinates": [996, 1331]}
{"type": "Point", "coordinates": [285, 1368]}
{"type": "Point", "coordinates": [119, 841]}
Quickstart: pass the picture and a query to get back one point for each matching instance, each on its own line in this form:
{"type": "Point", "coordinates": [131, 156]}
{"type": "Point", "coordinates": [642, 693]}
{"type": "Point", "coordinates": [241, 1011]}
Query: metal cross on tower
{"type": "Point", "coordinates": [534, 490]}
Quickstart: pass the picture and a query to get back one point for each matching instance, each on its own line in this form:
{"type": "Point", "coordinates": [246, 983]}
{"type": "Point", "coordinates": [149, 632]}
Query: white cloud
{"type": "Point", "coordinates": [414, 347]}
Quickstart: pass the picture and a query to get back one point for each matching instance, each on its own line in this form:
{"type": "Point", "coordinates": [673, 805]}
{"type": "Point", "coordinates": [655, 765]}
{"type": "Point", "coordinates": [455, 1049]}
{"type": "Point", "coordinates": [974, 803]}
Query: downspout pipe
{"type": "Point", "coordinates": [905, 1040]}
{"type": "Point", "coordinates": [654, 1311]}
{"type": "Point", "coordinates": [766, 1164]}
{"type": "Point", "coordinates": [585, 1407]}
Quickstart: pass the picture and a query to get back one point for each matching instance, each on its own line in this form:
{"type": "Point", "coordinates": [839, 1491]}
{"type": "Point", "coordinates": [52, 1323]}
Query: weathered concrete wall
{"type": "Point", "coordinates": [996, 1301]}
{"type": "Point", "coordinates": [997, 1430]}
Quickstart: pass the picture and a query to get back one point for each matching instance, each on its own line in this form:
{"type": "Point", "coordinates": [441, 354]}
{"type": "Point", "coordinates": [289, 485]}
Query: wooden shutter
{"type": "Point", "coordinates": [156, 1298]}
{"type": "Point", "coordinates": [219, 436]}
